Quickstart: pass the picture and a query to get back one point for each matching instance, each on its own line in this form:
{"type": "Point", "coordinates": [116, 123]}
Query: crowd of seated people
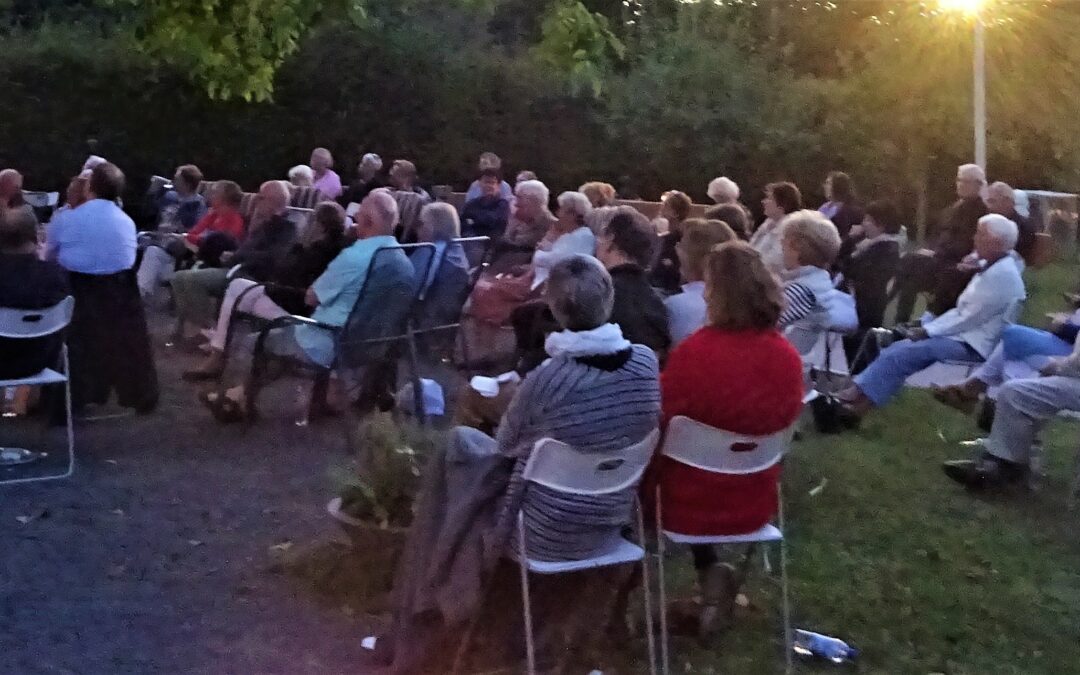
{"type": "Point", "coordinates": [331, 298]}
{"type": "Point", "coordinates": [259, 257]}
{"type": "Point", "coordinates": [615, 317]}
{"type": "Point", "coordinates": [282, 293]}
{"type": "Point", "coordinates": [220, 229]}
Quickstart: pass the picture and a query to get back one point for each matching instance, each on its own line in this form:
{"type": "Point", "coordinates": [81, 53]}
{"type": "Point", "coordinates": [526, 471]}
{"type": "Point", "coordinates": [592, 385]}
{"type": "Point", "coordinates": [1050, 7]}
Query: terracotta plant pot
{"type": "Point", "coordinates": [366, 535]}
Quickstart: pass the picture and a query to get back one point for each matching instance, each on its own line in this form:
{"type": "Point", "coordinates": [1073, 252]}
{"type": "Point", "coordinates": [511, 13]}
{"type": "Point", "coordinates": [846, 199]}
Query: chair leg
{"type": "Point", "coordinates": [662, 584]}
{"type": "Point", "coordinates": [70, 431]}
{"type": "Point", "coordinates": [70, 421]}
{"type": "Point", "coordinates": [784, 590]}
{"type": "Point", "coordinates": [530, 648]}
{"type": "Point", "coordinates": [1074, 486]}
{"type": "Point", "coordinates": [414, 375]}
{"type": "Point", "coordinates": [646, 588]}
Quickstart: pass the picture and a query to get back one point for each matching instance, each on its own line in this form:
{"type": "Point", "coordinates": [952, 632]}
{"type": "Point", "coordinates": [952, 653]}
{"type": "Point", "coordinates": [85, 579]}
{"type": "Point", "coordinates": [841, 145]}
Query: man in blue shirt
{"type": "Point", "coordinates": [333, 296]}
{"type": "Point", "coordinates": [335, 292]}
{"type": "Point", "coordinates": [97, 237]}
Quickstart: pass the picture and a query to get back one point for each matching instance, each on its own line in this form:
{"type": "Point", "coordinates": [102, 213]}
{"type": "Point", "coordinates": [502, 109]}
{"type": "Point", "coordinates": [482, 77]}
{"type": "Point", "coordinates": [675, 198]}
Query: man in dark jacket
{"type": "Point", "coordinates": [262, 253]}
{"type": "Point", "coordinates": [486, 215]}
{"type": "Point", "coordinates": [935, 269]}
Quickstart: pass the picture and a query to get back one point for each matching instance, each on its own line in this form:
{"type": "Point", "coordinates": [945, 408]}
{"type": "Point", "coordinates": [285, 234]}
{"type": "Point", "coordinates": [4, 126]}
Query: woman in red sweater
{"type": "Point", "coordinates": [220, 230]}
{"type": "Point", "coordinates": [739, 374]}
{"type": "Point", "coordinates": [223, 217]}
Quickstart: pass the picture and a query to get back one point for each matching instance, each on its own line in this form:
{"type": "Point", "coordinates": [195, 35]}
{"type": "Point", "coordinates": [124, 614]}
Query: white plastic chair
{"type": "Point", "coordinates": [710, 449]}
{"type": "Point", "coordinates": [23, 324]}
{"type": "Point", "coordinates": [41, 200]}
{"type": "Point", "coordinates": [558, 466]}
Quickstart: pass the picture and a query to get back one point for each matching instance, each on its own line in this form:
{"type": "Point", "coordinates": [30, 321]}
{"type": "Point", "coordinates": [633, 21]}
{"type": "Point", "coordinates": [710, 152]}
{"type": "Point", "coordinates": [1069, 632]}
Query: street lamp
{"type": "Point", "coordinates": [973, 9]}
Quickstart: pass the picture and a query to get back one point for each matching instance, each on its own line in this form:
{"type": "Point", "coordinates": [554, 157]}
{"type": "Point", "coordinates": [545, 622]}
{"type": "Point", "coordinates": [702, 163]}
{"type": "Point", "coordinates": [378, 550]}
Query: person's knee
{"type": "Point", "coordinates": [1012, 393]}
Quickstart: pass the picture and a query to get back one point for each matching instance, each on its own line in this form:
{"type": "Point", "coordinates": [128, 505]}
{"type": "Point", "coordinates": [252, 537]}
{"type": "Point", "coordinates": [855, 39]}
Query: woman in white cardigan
{"type": "Point", "coordinates": [568, 236]}
{"type": "Point", "coordinates": [780, 200]}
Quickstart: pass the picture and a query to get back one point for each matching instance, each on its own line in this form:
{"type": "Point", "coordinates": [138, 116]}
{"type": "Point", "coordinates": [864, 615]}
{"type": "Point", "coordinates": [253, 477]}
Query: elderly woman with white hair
{"type": "Point", "coordinates": [812, 305]}
{"type": "Point", "coordinates": [449, 272]}
{"type": "Point", "coordinates": [530, 219]}
{"type": "Point", "coordinates": [593, 372]}
{"type": "Point", "coordinates": [568, 235]}
{"type": "Point", "coordinates": [969, 332]}
{"type": "Point", "coordinates": [723, 190]}
{"type": "Point", "coordinates": [368, 178]}
{"type": "Point", "coordinates": [325, 179]}
{"type": "Point", "coordinates": [301, 175]}
{"type": "Point", "coordinates": [497, 296]}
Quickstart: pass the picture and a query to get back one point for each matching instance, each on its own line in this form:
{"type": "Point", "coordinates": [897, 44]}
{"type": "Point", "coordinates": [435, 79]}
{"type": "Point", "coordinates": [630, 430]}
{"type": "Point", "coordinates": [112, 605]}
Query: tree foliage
{"type": "Point", "coordinates": [580, 44]}
{"type": "Point", "coordinates": [670, 93]}
{"type": "Point", "coordinates": [231, 47]}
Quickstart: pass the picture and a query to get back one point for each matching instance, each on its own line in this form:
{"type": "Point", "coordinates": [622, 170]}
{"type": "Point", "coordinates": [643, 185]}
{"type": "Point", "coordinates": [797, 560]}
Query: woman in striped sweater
{"type": "Point", "coordinates": [597, 393]}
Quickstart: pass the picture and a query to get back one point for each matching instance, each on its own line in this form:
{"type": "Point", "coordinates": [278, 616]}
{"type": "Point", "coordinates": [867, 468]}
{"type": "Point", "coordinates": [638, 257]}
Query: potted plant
{"type": "Point", "coordinates": [377, 490]}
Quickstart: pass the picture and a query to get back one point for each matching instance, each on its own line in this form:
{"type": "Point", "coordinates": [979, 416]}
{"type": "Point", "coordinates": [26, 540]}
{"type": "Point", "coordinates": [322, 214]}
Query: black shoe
{"type": "Point", "coordinates": [985, 473]}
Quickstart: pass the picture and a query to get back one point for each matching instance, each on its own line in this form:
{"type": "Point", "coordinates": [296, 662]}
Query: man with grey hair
{"type": "Point", "coordinates": [11, 183]}
{"type": "Point", "coordinates": [968, 332]}
{"type": "Point", "coordinates": [326, 181]}
{"type": "Point", "coordinates": [1001, 199]}
{"type": "Point", "coordinates": [335, 292]}
{"type": "Point", "coordinates": [935, 269]}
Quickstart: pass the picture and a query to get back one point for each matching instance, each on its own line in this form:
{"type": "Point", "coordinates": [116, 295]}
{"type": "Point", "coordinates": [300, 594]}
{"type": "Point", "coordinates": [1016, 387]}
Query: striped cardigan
{"type": "Point", "coordinates": [591, 409]}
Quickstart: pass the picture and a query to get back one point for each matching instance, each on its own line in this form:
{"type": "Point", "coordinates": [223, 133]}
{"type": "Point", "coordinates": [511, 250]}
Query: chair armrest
{"type": "Point", "coordinates": [293, 320]}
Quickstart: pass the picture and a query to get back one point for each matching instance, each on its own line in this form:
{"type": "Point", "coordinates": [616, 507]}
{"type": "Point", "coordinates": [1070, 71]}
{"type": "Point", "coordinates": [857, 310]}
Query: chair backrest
{"type": "Point", "coordinates": [451, 284]}
{"type": "Point", "coordinates": [304, 197]}
{"type": "Point", "coordinates": [385, 303]}
{"type": "Point", "coordinates": [561, 467]}
{"type": "Point", "coordinates": [300, 218]}
{"type": "Point", "coordinates": [478, 252]}
{"type": "Point", "coordinates": [699, 445]}
{"type": "Point", "coordinates": [34, 323]}
{"type": "Point", "coordinates": [41, 200]}
{"type": "Point", "coordinates": [409, 206]}
{"type": "Point", "coordinates": [456, 199]}
{"type": "Point", "coordinates": [247, 205]}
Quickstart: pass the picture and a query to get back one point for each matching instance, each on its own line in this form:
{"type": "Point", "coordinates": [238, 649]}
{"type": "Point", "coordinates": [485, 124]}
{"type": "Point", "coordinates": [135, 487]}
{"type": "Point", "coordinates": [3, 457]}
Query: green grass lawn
{"type": "Point", "coordinates": [900, 562]}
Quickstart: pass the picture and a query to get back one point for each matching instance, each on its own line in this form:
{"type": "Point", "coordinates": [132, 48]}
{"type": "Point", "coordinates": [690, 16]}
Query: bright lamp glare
{"type": "Point", "coordinates": [969, 7]}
